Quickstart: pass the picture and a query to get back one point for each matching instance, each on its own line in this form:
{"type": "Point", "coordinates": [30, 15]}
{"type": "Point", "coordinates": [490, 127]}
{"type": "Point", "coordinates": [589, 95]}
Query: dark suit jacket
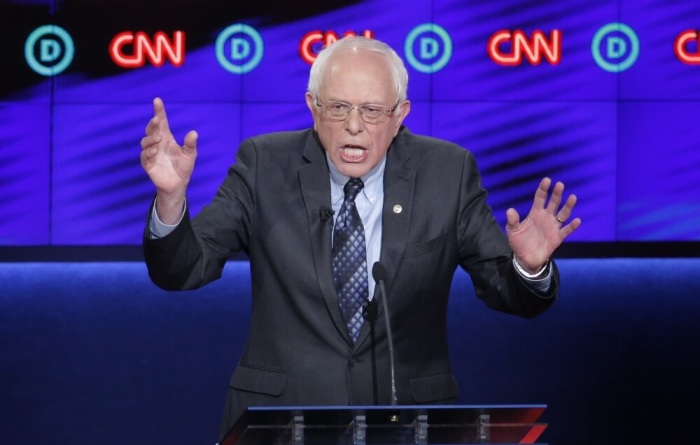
{"type": "Point", "coordinates": [298, 351]}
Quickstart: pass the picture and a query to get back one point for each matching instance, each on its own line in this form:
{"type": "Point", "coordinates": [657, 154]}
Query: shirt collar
{"type": "Point", "coordinates": [373, 181]}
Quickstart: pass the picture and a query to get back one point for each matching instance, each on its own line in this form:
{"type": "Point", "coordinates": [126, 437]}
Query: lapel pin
{"type": "Point", "coordinates": [397, 209]}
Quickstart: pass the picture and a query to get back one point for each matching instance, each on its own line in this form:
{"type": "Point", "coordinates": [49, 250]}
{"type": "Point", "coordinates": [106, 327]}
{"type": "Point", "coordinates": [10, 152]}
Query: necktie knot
{"type": "Point", "coordinates": [352, 188]}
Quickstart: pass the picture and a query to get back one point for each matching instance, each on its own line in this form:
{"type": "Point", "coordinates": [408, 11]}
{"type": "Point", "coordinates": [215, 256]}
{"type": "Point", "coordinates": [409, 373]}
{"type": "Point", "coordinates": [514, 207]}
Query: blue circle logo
{"type": "Point", "coordinates": [239, 48]}
{"type": "Point", "coordinates": [49, 50]}
{"type": "Point", "coordinates": [428, 48]}
{"type": "Point", "coordinates": [615, 47]}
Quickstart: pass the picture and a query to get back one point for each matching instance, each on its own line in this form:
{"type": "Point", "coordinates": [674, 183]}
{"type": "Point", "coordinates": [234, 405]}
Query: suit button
{"type": "Point", "coordinates": [353, 362]}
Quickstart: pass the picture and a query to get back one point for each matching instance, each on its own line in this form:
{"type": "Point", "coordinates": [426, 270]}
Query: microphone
{"type": "Point", "coordinates": [370, 310]}
{"type": "Point", "coordinates": [379, 275]}
{"type": "Point", "coordinates": [325, 213]}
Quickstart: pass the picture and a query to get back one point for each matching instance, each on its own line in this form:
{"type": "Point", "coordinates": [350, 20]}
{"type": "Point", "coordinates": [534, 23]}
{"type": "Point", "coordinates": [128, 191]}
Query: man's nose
{"type": "Point", "coordinates": [354, 123]}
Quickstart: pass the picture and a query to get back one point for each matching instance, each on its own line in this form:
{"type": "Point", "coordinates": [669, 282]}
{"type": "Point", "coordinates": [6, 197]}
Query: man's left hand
{"type": "Point", "coordinates": [535, 238]}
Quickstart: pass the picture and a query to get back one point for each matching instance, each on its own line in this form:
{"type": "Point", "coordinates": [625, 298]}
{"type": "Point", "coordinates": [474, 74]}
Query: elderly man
{"type": "Point", "coordinates": [316, 209]}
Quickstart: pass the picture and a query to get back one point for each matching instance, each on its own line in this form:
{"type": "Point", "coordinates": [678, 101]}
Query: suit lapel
{"type": "Point", "coordinates": [314, 181]}
{"type": "Point", "coordinates": [399, 184]}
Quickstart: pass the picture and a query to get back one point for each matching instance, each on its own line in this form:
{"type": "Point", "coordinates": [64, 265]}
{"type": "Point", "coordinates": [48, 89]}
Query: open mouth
{"type": "Point", "coordinates": [353, 153]}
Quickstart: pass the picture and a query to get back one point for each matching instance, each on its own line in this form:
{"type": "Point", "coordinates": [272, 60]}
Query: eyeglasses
{"type": "Point", "coordinates": [370, 113]}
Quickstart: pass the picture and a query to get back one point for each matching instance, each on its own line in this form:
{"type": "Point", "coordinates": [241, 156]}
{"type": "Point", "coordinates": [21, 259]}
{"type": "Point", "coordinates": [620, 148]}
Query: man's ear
{"type": "Point", "coordinates": [311, 104]}
{"type": "Point", "coordinates": [401, 112]}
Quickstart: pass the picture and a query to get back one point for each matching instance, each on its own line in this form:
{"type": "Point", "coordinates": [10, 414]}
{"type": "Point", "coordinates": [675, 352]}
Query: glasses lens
{"type": "Point", "coordinates": [337, 110]}
{"type": "Point", "coordinates": [372, 114]}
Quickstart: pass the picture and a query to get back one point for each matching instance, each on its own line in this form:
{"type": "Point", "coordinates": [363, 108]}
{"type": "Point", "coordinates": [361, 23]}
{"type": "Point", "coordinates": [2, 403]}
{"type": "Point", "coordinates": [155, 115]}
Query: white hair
{"type": "Point", "coordinates": [353, 43]}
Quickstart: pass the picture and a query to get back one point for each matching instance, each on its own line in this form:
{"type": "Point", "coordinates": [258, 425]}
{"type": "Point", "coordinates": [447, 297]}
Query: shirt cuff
{"type": "Point", "coordinates": [158, 228]}
{"type": "Point", "coordinates": [539, 281]}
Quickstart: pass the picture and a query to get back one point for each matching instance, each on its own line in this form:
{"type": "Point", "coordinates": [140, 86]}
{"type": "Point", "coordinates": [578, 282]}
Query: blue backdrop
{"type": "Point", "coordinates": [601, 95]}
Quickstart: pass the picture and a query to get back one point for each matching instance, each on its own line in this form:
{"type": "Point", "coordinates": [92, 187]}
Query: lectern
{"type": "Point", "coordinates": [388, 425]}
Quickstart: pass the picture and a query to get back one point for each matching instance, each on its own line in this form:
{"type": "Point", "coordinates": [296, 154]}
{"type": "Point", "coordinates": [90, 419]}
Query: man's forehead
{"type": "Point", "coordinates": [354, 65]}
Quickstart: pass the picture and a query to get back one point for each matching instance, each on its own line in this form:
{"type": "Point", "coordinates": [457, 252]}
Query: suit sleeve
{"type": "Point", "coordinates": [486, 255]}
{"type": "Point", "coordinates": [195, 253]}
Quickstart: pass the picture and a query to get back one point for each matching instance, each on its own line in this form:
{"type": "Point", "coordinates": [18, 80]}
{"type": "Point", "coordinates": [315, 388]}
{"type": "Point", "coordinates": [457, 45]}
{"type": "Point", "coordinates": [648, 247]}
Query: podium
{"type": "Point", "coordinates": [388, 425]}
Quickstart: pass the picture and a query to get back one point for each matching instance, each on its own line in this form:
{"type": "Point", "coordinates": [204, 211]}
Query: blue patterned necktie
{"type": "Point", "coordinates": [350, 260]}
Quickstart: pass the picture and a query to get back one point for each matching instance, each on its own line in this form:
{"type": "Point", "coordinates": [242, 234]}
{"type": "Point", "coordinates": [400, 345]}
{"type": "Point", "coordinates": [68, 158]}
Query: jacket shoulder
{"type": "Point", "coordinates": [421, 148]}
{"type": "Point", "coordinates": [281, 137]}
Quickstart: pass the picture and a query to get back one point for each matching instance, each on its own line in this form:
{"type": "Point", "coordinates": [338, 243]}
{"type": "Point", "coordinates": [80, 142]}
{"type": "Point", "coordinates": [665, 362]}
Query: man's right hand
{"type": "Point", "coordinates": [168, 164]}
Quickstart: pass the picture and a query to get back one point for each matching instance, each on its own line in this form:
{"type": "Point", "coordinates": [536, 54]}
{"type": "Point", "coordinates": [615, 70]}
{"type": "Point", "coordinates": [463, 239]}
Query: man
{"type": "Point", "coordinates": [423, 214]}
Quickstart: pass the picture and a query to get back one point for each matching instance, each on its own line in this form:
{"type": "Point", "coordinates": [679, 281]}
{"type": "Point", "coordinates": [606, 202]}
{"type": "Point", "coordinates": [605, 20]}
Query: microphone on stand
{"type": "Point", "coordinates": [379, 275]}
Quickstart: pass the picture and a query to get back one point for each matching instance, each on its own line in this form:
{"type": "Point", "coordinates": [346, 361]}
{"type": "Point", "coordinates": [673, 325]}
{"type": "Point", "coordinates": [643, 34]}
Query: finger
{"type": "Point", "coordinates": [555, 199]}
{"type": "Point", "coordinates": [145, 143]}
{"type": "Point", "coordinates": [160, 114]}
{"type": "Point", "coordinates": [190, 145]}
{"type": "Point", "coordinates": [512, 219]}
{"type": "Point", "coordinates": [153, 126]}
{"type": "Point", "coordinates": [570, 228]}
{"type": "Point", "coordinates": [541, 193]}
{"type": "Point", "coordinates": [149, 148]}
{"type": "Point", "coordinates": [565, 212]}
{"type": "Point", "coordinates": [147, 157]}
{"type": "Point", "coordinates": [149, 141]}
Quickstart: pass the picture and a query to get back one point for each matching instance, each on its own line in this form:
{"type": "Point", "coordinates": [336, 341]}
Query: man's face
{"type": "Point", "coordinates": [357, 78]}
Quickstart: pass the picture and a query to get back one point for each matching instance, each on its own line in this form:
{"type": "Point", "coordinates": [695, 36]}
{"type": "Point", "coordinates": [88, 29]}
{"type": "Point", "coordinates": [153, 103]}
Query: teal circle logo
{"type": "Point", "coordinates": [615, 47]}
{"type": "Point", "coordinates": [49, 50]}
{"type": "Point", "coordinates": [428, 48]}
{"type": "Point", "coordinates": [239, 48]}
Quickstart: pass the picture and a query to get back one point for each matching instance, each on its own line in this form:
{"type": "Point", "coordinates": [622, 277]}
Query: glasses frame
{"type": "Point", "coordinates": [382, 119]}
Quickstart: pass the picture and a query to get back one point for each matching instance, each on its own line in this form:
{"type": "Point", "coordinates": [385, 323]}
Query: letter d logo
{"type": "Point", "coordinates": [54, 48]}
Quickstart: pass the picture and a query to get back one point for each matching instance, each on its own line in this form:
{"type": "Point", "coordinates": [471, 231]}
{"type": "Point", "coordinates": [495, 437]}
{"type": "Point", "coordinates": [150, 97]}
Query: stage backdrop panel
{"type": "Point", "coordinates": [598, 94]}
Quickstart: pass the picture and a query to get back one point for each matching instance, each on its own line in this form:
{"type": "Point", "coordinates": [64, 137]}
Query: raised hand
{"type": "Point", "coordinates": [534, 239]}
{"type": "Point", "coordinates": [167, 163]}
